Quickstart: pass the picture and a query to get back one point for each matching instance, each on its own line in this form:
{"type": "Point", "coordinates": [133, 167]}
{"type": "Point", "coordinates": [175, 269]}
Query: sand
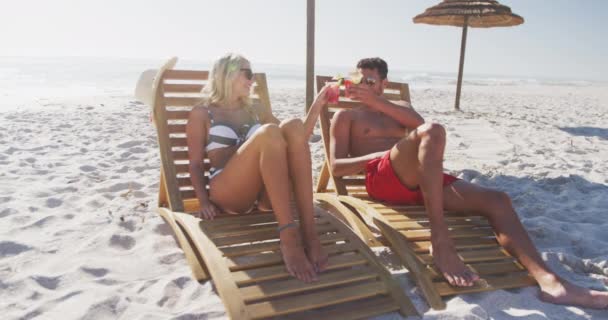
{"type": "Point", "coordinates": [80, 237]}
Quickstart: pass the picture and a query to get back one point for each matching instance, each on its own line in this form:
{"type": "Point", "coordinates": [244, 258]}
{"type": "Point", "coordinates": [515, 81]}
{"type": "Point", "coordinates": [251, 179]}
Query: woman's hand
{"type": "Point", "coordinates": [208, 211]}
{"type": "Point", "coordinates": [322, 97]}
{"type": "Point", "coordinates": [313, 113]}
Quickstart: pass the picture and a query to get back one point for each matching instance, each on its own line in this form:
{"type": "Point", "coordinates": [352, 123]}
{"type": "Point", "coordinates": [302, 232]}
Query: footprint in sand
{"type": "Point", "coordinates": [50, 283]}
{"type": "Point", "coordinates": [87, 168]}
{"type": "Point", "coordinates": [131, 144]}
{"type": "Point", "coordinates": [95, 272]}
{"type": "Point", "coordinates": [10, 248]}
{"type": "Point", "coordinates": [171, 258]}
{"type": "Point", "coordinates": [172, 291]}
{"type": "Point", "coordinates": [7, 212]}
{"type": "Point", "coordinates": [122, 242]}
{"type": "Point", "coordinates": [53, 202]}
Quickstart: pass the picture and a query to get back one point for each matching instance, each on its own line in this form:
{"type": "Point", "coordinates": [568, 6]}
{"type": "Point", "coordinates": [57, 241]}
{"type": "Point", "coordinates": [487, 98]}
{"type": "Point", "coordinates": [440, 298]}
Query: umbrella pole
{"type": "Point", "coordinates": [463, 45]}
{"type": "Point", "coordinates": [310, 52]}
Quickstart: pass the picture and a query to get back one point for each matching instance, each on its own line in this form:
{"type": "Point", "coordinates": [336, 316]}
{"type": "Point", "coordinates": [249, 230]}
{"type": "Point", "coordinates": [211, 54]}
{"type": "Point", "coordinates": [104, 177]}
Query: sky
{"type": "Point", "coordinates": [561, 39]}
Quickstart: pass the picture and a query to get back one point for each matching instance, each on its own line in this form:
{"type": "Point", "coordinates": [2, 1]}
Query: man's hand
{"type": "Point", "coordinates": [363, 93]}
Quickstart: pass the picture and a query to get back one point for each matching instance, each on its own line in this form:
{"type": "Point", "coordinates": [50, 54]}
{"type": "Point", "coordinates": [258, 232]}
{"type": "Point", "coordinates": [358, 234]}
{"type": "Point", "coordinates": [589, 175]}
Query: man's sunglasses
{"type": "Point", "coordinates": [248, 73]}
{"type": "Point", "coordinates": [368, 81]}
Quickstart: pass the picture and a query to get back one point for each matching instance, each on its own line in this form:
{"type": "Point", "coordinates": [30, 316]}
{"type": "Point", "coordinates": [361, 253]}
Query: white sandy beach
{"type": "Point", "coordinates": [80, 237]}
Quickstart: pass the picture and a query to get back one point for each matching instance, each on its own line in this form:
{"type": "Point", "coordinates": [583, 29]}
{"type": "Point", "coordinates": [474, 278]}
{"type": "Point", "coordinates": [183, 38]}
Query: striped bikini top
{"type": "Point", "coordinates": [222, 135]}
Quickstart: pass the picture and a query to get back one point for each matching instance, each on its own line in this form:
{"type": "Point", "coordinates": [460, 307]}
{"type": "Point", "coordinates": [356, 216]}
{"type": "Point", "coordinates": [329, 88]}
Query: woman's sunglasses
{"type": "Point", "coordinates": [248, 73]}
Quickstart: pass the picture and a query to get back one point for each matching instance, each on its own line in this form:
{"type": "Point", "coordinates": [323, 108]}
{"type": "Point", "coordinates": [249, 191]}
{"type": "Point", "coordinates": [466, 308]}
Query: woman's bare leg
{"type": "Point", "coordinates": [511, 234]}
{"type": "Point", "coordinates": [262, 162]}
{"type": "Point", "coordinates": [300, 171]}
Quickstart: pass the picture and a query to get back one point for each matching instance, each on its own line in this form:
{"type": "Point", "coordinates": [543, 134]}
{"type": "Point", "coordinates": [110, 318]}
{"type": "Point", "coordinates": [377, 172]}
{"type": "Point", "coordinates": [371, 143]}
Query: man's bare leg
{"type": "Point", "coordinates": [497, 207]}
{"type": "Point", "coordinates": [300, 171]}
{"type": "Point", "coordinates": [261, 162]}
{"type": "Point", "coordinates": [418, 161]}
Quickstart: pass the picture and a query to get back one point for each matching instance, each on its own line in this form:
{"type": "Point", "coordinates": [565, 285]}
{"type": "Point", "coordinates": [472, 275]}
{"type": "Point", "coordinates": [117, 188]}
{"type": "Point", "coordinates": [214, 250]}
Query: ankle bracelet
{"type": "Point", "coordinates": [285, 226]}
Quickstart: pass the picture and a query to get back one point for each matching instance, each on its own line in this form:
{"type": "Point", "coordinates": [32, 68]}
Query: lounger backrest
{"type": "Point", "coordinates": [355, 184]}
{"type": "Point", "coordinates": [178, 91]}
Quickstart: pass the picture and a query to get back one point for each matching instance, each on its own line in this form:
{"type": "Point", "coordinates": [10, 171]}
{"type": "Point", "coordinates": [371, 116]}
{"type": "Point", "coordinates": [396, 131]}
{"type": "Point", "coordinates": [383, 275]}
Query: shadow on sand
{"type": "Point", "coordinates": [522, 303]}
{"type": "Point", "coordinates": [601, 133]}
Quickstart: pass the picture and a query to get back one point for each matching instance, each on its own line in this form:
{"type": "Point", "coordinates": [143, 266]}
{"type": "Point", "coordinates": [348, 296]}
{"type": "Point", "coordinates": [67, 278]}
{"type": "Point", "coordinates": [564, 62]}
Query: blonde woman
{"type": "Point", "coordinates": [254, 159]}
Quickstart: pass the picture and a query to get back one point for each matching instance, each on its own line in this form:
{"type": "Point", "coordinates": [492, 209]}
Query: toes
{"type": "Point", "coordinates": [449, 278]}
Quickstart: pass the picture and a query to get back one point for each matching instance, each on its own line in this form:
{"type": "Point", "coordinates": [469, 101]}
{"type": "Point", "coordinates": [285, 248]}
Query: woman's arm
{"type": "Point", "coordinates": [315, 110]}
{"type": "Point", "coordinates": [196, 137]}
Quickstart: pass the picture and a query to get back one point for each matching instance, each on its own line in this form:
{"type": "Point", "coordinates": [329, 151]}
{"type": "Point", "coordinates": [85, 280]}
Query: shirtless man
{"type": "Point", "coordinates": [402, 157]}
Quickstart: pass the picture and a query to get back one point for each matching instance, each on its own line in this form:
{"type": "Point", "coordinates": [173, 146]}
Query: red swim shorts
{"type": "Point", "coordinates": [383, 184]}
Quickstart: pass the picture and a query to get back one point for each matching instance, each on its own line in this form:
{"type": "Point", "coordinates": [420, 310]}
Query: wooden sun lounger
{"type": "Point", "coordinates": [406, 228]}
{"type": "Point", "coordinates": [240, 253]}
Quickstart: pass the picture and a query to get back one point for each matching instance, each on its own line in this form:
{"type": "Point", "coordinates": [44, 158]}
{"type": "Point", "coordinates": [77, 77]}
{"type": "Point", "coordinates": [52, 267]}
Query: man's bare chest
{"type": "Point", "coordinates": [376, 125]}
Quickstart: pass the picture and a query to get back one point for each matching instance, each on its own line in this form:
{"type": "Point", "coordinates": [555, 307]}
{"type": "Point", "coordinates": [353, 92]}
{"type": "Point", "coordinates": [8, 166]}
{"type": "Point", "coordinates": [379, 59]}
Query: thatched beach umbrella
{"type": "Point", "coordinates": [465, 13]}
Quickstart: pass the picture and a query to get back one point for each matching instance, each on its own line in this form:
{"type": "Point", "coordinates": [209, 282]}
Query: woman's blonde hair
{"type": "Point", "coordinates": [225, 70]}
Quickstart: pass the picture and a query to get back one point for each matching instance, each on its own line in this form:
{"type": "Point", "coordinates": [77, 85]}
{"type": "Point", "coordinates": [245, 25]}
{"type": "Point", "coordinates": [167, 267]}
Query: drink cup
{"type": "Point", "coordinates": [333, 93]}
{"type": "Point", "coordinates": [347, 84]}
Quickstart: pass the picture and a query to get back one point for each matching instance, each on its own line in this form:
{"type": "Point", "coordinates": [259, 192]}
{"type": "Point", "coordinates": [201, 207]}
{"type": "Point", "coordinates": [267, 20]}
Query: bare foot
{"type": "Point", "coordinates": [559, 291]}
{"type": "Point", "coordinates": [450, 265]}
{"type": "Point", "coordinates": [295, 259]}
{"type": "Point", "coordinates": [316, 254]}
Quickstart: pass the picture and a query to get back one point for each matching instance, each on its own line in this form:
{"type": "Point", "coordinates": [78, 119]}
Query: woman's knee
{"type": "Point", "coordinates": [292, 129]}
{"type": "Point", "coordinates": [270, 134]}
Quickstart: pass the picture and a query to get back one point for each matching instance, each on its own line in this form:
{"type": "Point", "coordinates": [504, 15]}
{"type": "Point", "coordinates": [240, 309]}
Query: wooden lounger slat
{"type": "Point", "coordinates": [273, 246]}
{"type": "Point", "coordinates": [245, 221]}
{"type": "Point", "coordinates": [488, 283]}
{"type": "Point", "coordinates": [228, 220]}
{"type": "Point", "coordinates": [179, 142]}
{"type": "Point", "coordinates": [414, 225]}
{"type": "Point", "coordinates": [416, 235]}
{"type": "Point", "coordinates": [246, 277]}
{"type": "Point", "coordinates": [267, 259]}
{"type": "Point", "coordinates": [475, 255]}
{"type": "Point", "coordinates": [177, 115]}
{"type": "Point", "coordinates": [182, 101]}
{"type": "Point", "coordinates": [184, 181]}
{"type": "Point", "coordinates": [180, 155]}
{"type": "Point", "coordinates": [485, 268]}
{"type": "Point", "coordinates": [177, 128]}
{"type": "Point", "coordinates": [354, 181]}
{"type": "Point", "coordinates": [187, 194]}
{"type": "Point", "coordinates": [262, 236]}
{"type": "Point", "coordinates": [365, 309]}
{"type": "Point", "coordinates": [462, 243]}
{"type": "Point", "coordinates": [182, 168]}
{"type": "Point", "coordinates": [315, 300]}
{"type": "Point", "coordinates": [185, 75]}
{"type": "Point", "coordinates": [269, 290]}
{"type": "Point", "coordinates": [182, 88]}
{"type": "Point", "coordinates": [423, 216]}
{"type": "Point", "coordinates": [246, 229]}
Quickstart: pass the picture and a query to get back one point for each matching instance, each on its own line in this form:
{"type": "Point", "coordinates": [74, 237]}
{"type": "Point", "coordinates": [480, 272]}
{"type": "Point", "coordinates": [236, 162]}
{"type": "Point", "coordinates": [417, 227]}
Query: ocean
{"type": "Point", "coordinates": [24, 79]}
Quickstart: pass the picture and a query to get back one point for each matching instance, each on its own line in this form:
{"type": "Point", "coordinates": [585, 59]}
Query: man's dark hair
{"type": "Point", "coordinates": [374, 63]}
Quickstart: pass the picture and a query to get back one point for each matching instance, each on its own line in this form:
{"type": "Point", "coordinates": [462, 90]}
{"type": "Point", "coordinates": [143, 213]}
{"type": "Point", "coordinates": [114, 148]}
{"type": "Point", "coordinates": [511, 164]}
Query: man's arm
{"type": "Point", "coordinates": [339, 144]}
{"type": "Point", "coordinates": [403, 112]}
